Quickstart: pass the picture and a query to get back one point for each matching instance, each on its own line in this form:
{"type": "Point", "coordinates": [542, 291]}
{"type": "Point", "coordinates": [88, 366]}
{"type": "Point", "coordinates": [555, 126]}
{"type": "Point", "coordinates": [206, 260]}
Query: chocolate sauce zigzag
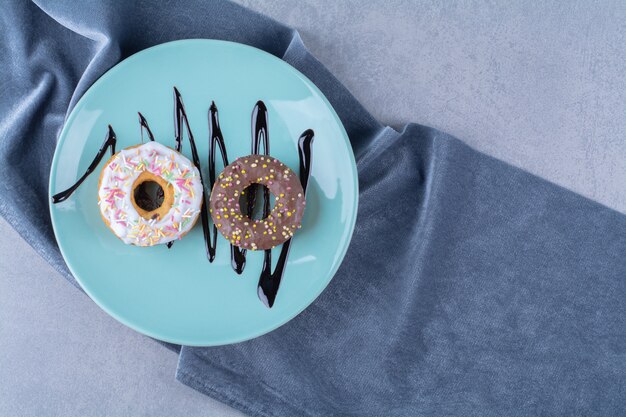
{"type": "Point", "coordinates": [269, 282]}
{"type": "Point", "coordinates": [216, 138]}
{"type": "Point", "coordinates": [180, 117]}
{"type": "Point", "coordinates": [143, 123]}
{"type": "Point", "coordinates": [260, 135]}
{"type": "Point", "coordinates": [109, 142]}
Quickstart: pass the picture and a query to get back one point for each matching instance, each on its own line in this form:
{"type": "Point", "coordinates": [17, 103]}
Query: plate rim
{"type": "Point", "coordinates": [223, 341]}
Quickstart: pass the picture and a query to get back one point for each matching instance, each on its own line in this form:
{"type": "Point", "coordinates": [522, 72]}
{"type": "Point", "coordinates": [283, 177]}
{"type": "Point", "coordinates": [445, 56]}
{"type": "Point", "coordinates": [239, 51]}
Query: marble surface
{"type": "Point", "coordinates": [539, 85]}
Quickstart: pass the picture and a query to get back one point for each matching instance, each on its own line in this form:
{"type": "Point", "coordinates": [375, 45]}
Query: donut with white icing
{"type": "Point", "coordinates": [171, 178]}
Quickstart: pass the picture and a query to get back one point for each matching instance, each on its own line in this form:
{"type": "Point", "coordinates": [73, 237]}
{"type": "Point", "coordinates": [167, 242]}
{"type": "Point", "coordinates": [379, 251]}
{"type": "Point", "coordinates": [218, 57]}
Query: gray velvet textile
{"type": "Point", "coordinates": [470, 287]}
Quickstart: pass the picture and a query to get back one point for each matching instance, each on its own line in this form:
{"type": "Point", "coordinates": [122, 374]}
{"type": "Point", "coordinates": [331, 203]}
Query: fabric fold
{"type": "Point", "coordinates": [470, 288]}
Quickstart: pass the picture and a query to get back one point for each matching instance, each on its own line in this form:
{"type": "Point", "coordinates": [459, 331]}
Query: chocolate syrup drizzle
{"type": "Point", "coordinates": [259, 133]}
{"type": "Point", "coordinates": [269, 281]}
{"type": "Point", "coordinates": [109, 141]}
{"type": "Point", "coordinates": [144, 126]}
{"type": "Point", "coordinates": [216, 138]}
{"type": "Point", "coordinates": [180, 119]}
{"type": "Point", "coordinates": [143, 123]}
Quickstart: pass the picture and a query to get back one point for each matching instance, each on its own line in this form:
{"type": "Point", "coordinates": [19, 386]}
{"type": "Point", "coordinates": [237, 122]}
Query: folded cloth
{"type": "Point", "coordinates": [470, 287]}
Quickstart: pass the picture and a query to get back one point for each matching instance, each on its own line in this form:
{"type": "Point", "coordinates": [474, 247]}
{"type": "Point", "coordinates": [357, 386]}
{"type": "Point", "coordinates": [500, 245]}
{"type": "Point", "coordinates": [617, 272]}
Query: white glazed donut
{"type": "Point", "coordinates": [182, 194]}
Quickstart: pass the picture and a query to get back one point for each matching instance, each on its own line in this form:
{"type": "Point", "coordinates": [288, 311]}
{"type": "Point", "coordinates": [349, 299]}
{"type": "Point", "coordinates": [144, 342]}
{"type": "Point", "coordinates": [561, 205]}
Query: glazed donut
{"type": "Point", "coordinates": [283, 220]}
{"type": "Point", "coordinates": [134, 216]}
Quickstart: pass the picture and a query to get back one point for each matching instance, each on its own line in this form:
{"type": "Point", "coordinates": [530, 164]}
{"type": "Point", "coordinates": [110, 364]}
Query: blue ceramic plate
{"type": "Point", "coordinates": [176, 294]}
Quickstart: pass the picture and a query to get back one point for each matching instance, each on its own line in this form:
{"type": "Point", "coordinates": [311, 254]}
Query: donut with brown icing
{"type": "Point", "coordinates": [281, 223]}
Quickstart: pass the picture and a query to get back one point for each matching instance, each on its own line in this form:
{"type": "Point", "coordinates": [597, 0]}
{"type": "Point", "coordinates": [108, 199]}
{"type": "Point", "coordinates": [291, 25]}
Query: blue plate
{"type": "Point", "coordinates": [176, 294]}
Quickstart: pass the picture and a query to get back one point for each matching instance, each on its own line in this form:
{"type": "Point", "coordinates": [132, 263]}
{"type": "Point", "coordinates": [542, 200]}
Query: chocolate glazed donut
{"type": "Point", "coordinates": [282, 221]}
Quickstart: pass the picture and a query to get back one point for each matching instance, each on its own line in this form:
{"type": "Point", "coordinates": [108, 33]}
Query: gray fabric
{"type": "Point", "coordinates": [470, 287]}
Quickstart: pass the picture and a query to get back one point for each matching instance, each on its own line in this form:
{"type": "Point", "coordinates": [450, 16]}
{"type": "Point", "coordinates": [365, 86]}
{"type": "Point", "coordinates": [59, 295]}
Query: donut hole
{"type": "Point", "coordinates": [254, 193]}
{"type": "Point", "coordinates": [149, 195]}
